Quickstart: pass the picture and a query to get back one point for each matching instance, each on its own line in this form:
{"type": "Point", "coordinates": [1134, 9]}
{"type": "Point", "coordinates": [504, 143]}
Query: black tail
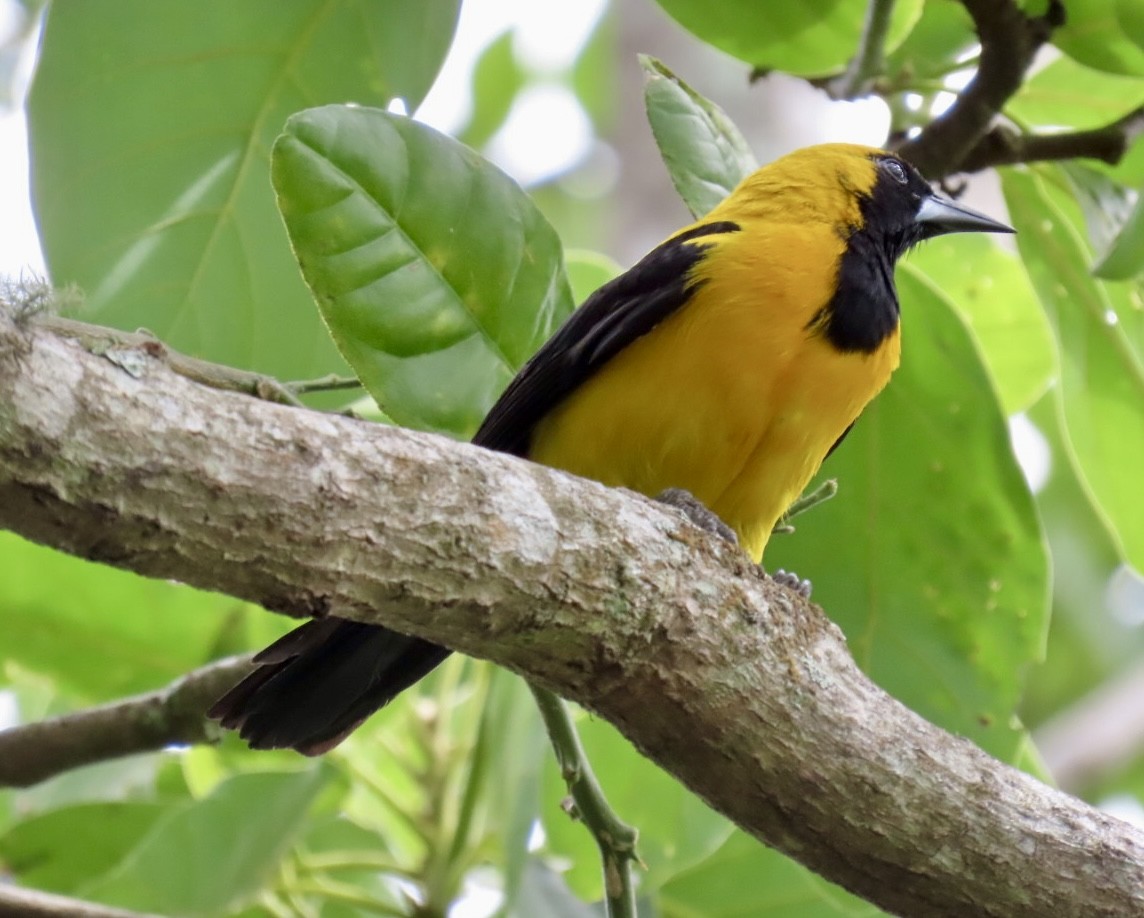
{"type": "Point", "coordinates": [314, 686]}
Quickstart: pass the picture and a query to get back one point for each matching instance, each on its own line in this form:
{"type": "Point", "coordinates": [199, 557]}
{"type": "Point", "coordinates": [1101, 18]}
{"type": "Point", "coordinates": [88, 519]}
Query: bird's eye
{"type": "Point", "coordinates": [897, 170]}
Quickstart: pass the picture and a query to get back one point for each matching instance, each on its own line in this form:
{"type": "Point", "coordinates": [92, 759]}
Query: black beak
{"type": "Point", "coordinates": [939, 215]}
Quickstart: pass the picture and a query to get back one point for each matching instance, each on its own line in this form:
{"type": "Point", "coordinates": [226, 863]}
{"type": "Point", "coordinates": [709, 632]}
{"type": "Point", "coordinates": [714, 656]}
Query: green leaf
{"type": "Point", "coordinates": [347, 854]}
{"type": "Point", "coordinates": [1100, 335]}
{"type": "Point", "coordinates": [209, 854]}
{"type": "Point", "coordinates": [745, 878]}
{"type": "Point", "coordinates": [99, 631]}
{"type": "Point", "coordinates": [1091, 642]}
{"type": "Point", "coordinates": [931, 557]}
{"type": "Point", "coordinates": [434, 271]}
{"type": "Point", "coordinates": [1068, 94]}
{"type": "Point", "coordinates": [61, 849]}
{"type": "Point", "coordinates": [676, 828]}
{"type": "Point", "coordinates": [596, 72]}
{"type": "Point", "coordinates": [991, 292]}
{"type": "Point", "coordinates": [1125, 256]}
{"type": "Point", "coordinates": [705, 153]}
{"type": "Point", "coordinates": [1130, 17]}
{"type": "Point", "coordinates": [1093, 34]}
{"type": "Point", "coordinates": [497, 79]}
{"type": "Point", "coordinates": [942, 37]}
{"type": "Point", "coordinates": [514, 745]}
{"type": "Point", "coordinates": [543, 894]}
{"type": "Point", "coordinates": [809, 38]}
{"type": "Point", "coordinates": [150, 126]}
{"type": "Point", "coordinates": [588, 271]}
{"type": "Point", "coordinates": [1106, 204]}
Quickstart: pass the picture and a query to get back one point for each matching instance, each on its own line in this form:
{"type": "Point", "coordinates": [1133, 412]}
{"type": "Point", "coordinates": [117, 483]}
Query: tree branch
{"type": "Point", "coordinates": [738, 687]}
{"type": "Point", "coordinates": [1009, 40]}
{"type": "Point", "coordinates": [30, 903]}
{"type": "Point", "coordinates": [1003, 146]}
{"type": "Point", "coordinates": [146, 723]}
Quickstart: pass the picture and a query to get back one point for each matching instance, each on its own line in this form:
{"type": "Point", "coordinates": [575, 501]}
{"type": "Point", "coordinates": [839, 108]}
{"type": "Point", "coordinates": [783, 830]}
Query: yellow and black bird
{"type": "Point", "coordinates": [728, 363]}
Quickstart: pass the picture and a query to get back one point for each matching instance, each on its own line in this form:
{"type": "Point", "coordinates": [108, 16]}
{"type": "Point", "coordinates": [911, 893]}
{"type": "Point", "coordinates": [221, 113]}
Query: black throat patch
{"type": "Point", "coordinates": [864, 310]}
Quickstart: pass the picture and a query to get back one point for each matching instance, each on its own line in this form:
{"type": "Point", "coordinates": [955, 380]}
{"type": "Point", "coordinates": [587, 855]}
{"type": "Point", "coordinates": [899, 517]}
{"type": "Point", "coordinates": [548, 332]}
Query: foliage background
{"type": "Point", "coordinates": [151, 135]}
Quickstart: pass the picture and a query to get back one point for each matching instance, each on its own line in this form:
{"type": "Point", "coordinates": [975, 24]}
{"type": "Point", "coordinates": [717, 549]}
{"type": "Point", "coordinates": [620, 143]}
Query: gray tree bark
{"type": "Point", "coordinates": [741, 689]}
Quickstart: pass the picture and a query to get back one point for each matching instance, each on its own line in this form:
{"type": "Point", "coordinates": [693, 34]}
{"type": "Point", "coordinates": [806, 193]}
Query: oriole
{"type": "Point", "coordinates": [728, 362]}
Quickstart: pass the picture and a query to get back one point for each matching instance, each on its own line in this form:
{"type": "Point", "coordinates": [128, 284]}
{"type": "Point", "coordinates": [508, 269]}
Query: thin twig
{"type": "Point", "coordinates": [1009, 40]}
{"type": "Point", "coordinates": [144, 723]}
{"type": "Point", "coordinates": [1003, 146]}
{"type": "Point", "coordinates": [344, 893]}
{"type": "Point", "coordinates": [329, 383]}
{"type": "Point", "coordinates": [16, 902]}
{"type": "Point", "coordinates": [131, 350]}
{"type": "Point", "coordinates": [330, 861]}
{"type": "Point", "coordinates": [869, 62]}
{"type": "Point", "coordinates": [615, 838]}
{"type": "Point", "coordinates": [819, 495]}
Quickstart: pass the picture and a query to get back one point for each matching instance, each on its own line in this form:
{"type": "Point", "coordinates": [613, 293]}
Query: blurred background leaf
{"type": "Point", "coordinates": [151, 123]}
{"type": "Point", "coordinates": [812, 38]}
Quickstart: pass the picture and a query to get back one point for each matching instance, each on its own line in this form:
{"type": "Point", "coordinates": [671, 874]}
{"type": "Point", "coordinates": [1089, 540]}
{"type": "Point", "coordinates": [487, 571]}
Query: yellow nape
{"type": "Point", "coordinates": [735, 397]}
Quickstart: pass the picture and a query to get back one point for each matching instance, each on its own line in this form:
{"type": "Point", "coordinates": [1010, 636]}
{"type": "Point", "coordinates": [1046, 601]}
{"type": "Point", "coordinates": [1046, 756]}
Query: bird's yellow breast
{"type": "Point", "coordinates": [733, 397]}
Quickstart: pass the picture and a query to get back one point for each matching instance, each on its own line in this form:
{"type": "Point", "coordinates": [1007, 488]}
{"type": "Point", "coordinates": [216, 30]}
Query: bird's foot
{"type": "Point", "coordinates": [793, 581]}
{"type": "Point", "coordinates": [697, 512]}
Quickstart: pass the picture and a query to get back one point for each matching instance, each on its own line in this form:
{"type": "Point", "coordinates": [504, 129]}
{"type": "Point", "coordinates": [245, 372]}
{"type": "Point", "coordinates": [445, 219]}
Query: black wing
{"type": "Point", "coordinates": [315, 685]}
{"type": "Point", "coordinates": [838, 442]}
{"type": "Point", "coordinates": [621, 311]}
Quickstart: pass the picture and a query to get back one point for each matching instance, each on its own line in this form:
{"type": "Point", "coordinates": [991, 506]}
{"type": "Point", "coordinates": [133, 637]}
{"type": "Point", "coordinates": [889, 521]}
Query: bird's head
{"type": "Point", "coordinates": [875, 205]}
{"type": "Point", "coordinates": [864, 190]}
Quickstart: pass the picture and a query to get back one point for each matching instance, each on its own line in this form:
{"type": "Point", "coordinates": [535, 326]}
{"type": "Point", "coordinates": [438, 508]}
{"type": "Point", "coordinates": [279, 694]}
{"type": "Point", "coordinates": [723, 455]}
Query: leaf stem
{"type": "Point", "coordinates": [869, 62]}
{"type": "Point", "coordinates": [130, 351]}
{"type": "Point", "coordinates": [614, 837]}
{"type": "Point", "coordinates": [346, 894]}
{"type": "Point", "coordinates": [329, 383]}
{"type": "Point", "coordinates": [819, 495]}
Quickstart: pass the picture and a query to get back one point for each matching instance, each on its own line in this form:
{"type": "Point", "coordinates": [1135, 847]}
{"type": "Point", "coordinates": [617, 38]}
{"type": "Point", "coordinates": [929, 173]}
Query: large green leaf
{"type": "Point", "coordinates": [436, 274]}
{"type": "Point", "coordinates": [744, 878]}
{"type": "Point", "coordinates": [497, 79]}
{"type": "Point", "coordinates": [1125, 256]}
{"type": "Point", "coordinates": [1101, 340]}
{"type": "Point", "coordinates": [1094, 34]}
{"type": "Point", "coordinates": [931, 556]}
{"type": "Point", "coordinates": [151, 123]}
{"type": "Point", "coordinates": [60, 849]}
{"type": "Point", "coordinates": [1068, 94]}
{"type": "Point", "coordinates": [596, 72]}
{"type": "Point", "coordinates": [210, 853]}
{"type": "Point", "coordinates": [1130, 18]}
{"type": "Point", "coordinates": [991, 291]}
{"type": "Point", "coordinates": [808, 38]}
{"type": "Point", "coordinates": [1106, 205]}
{"type": "Point", "coordinates": [705, 154]}
{"type": "Point", "coordinates": [99, 631]}
{"type": "Point", "coordinates": [509, 758]}
{"type": "Point", "coordinates": [588, 271]}
{"type": "Point", "coordinates": [1086, 643]}
{"type": "Point", "coordinates": [938, 44]}
{"type": "Point", "coordinates": [544, 894]}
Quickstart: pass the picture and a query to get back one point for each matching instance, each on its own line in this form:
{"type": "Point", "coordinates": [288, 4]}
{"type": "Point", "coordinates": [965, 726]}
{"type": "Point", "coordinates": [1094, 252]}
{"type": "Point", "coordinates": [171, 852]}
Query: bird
{"type": "Point", "coordinates": [725, 366]}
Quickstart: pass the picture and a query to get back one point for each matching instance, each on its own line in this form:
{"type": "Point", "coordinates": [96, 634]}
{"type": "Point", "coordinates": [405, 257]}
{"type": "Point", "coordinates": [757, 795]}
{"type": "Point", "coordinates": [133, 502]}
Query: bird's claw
{"type": "Point", "coordinates": [697, 512]}
{"type": "Point", "coordinates": [793, 581]}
